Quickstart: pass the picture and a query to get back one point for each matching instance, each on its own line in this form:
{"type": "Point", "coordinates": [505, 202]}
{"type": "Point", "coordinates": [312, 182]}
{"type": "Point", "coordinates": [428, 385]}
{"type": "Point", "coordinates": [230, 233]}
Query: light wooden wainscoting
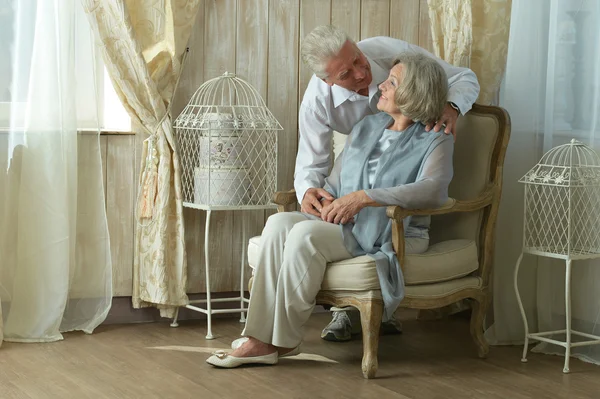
{"type": "Point", "coordinates": [258, 40]}
{"type": "Point", "coordinates": [118, 158]}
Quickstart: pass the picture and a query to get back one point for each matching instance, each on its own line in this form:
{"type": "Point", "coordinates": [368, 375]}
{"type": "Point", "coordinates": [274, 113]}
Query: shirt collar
{"type": "Point", "coordinates": [340, 94]}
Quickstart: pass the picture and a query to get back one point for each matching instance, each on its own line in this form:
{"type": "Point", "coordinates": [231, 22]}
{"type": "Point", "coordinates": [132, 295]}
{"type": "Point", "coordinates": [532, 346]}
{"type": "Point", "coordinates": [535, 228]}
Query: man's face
{"type": "Point", "coordinates": [350, 69]}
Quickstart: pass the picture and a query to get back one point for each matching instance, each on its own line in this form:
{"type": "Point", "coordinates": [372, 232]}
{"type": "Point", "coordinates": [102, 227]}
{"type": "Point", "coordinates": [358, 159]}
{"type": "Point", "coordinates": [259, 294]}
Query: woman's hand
{"type": "Point", "coordinates": [343, 209]}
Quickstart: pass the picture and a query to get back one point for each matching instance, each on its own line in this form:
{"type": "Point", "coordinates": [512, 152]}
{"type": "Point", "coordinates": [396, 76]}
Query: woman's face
{"type": "Point", "coordinates": [388, 90]}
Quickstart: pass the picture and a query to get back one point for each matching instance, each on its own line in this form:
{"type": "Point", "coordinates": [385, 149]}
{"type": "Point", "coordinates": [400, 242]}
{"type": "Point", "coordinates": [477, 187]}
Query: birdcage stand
{"type": "Point", "coordinates": [568, 331]}
{"type": "Point", "coordinates": [227, 140]}
{"type": "Point", "coordinates": [561, 221]}
{"type": "Point", "coordinates": [208, 310]}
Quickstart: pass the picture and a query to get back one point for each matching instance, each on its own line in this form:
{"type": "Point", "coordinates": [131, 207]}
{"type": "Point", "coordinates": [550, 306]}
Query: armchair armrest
{"type": "Point", "coordinates": [397, 213]}
{"type": "Point", "coordinates": [285, 200]}
{"type": "Point", "coordinates": [484, 199]}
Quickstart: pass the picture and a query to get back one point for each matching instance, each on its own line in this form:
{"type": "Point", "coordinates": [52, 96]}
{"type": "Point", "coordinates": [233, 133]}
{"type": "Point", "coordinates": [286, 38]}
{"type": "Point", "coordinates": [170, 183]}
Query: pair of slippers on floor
{"type": "Point", "coordinates": [223, 359]}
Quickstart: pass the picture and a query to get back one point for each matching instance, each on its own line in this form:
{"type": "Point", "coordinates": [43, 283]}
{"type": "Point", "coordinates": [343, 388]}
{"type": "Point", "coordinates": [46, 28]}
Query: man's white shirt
{"type": "Point", "coordinates": [325, 108]}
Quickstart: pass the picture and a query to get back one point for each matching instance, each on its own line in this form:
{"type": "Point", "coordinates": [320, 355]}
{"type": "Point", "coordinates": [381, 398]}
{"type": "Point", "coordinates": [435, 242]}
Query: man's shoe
{"type": "Point", "coordinates": [391, 327]}
{"type": "Point", "coordinates": [341, 327]}
{"type": "Point", "coordinates": [346, 324]}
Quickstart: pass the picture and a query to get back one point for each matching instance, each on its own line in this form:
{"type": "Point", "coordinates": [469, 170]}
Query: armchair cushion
{"type": "Point", "coordinates": [446, 260]}
{"type": "Point", "coordinates": [443, 261]}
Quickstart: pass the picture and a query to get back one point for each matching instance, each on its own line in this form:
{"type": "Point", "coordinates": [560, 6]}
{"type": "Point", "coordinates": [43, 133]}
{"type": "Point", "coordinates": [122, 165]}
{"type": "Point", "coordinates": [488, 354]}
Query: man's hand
{"type": "Point", "coordinates": [343, 209]}
{"type": "Point", "coordinates": [449, 117]}
{"type": "Point", "coordinates": [311, 203]}
{"type": "Point", "coordinates": [324, 203]}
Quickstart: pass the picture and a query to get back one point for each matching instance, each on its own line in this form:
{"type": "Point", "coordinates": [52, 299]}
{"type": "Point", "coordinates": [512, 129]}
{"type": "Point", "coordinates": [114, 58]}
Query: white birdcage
{"type": "Point", "coordinates": [562, 203]}
{"type": "Point", "coordinates": [562, 220]}
{"type": "Point", "coordinates": [227, 141]}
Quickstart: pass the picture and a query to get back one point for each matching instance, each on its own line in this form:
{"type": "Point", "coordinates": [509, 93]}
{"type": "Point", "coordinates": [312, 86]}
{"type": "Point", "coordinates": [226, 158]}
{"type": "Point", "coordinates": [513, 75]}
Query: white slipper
{"type": "Point", "coordinates": [225, 360]}
{"type": "Point", "coordinates": [241, 341]}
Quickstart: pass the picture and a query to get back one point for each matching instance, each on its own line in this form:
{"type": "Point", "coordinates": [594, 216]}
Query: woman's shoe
{"type": "Point", "coordinates": [224, 360]}
{"type": "Point", "coordinates": [293, 352]}
{"type": "Point", "coordinates": [241, 341]}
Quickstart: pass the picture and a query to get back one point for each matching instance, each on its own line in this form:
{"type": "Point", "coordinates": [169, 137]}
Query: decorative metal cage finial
{"type": "Point", "coordinates": [227, 140]}
{"type": "Point", "coordinates": [562, 203]}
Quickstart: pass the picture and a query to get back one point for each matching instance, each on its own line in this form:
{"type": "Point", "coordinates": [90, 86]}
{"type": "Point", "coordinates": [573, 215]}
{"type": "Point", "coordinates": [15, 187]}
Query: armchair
{"type": "Point", "coordinates": [457, 264]}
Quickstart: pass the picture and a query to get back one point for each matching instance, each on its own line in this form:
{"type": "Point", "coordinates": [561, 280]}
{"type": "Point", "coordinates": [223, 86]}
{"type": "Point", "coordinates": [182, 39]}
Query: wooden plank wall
{"type": "Point", "coordinates": [259, 40]}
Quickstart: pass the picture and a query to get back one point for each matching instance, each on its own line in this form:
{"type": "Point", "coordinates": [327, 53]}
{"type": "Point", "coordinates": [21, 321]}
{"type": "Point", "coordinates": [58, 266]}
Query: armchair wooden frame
{"type": "Point", "coordinates": [370, 303]}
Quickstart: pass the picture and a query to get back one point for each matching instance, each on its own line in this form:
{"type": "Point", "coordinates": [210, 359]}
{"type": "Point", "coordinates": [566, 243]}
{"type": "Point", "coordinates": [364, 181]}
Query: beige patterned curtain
{"type": "Point", "coordinates": [474, 34]}
{"type": "Point", "coordinates": [451, 27]}
{"type": "Point", "coordinates": [143, 43]}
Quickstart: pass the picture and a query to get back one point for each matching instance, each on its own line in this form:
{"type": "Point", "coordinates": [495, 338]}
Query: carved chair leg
{"type": "Point", "coordinates": [371, 312]}
{"type": "Point", "coordinates": [479, 309]}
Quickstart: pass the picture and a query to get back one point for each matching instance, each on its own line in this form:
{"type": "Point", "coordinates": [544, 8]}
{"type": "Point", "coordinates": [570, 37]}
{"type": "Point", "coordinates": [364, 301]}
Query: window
{"type": "Point", "coordinates": [14, 69]}
{"type": "Point", "coordinates": [97, 102]}
{"type": "Point", "coordinates": [114, 116]}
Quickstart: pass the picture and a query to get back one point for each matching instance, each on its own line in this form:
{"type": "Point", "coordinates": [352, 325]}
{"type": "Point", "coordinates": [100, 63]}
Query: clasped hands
{"type": "Point", "coordinates": [321, 203]}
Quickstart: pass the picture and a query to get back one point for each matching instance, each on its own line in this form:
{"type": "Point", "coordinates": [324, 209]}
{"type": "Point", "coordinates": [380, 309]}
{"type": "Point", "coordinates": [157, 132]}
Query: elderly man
{"type": "Point", "coordinates": [343, 90]}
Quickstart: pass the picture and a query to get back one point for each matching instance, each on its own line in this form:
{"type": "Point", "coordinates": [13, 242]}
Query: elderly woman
{"type": "Point", "coordinates": [389, 159]}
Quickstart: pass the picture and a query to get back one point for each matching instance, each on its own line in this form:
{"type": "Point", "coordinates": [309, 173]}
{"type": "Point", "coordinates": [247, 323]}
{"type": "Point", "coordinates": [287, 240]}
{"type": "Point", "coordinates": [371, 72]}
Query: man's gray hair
{"type": "Point", "coordinates": [320, 45]}
{"type": "Point", "coordinates": [423, 91]}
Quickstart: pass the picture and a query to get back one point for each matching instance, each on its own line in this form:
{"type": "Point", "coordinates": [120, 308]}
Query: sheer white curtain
{"type": "Point", "coordinates": [552, 92]}
{"type": "Point", "coordinates": [55, 267]}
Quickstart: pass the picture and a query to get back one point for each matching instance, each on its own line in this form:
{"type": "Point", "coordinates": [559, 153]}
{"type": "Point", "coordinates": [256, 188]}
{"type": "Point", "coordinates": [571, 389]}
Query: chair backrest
{"type": "Point", "coordinates": [479, 150]}
{"type": "Point", "coordinates": [482, 138]}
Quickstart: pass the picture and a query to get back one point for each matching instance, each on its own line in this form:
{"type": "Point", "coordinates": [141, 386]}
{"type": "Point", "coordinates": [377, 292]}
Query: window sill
{"type": "Point", "coordinates": [107, 132]}
{"type": "Point", "coordinates": [90, 131]}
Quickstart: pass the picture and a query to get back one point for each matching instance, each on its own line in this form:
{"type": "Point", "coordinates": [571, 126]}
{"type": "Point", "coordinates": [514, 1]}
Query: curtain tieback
{"type": "Point", "coordinates": [149, 179]}
{"type": "Point", "coordinates": [149, 176]}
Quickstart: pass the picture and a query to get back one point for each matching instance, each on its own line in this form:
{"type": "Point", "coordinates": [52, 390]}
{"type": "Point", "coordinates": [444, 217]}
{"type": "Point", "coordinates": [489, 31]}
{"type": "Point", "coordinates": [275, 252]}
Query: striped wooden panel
{"type": "Point", "coordinates": [345, 14]}
{"type": "Point", "coordinates": [191, 78]}
{"type": "Point", "coordinates": [220, 25]}
{"type": "Point", "coordinates": [251, 62]}
{"type": "Point", "coordinates": [424, 28]}
{"type": "Point", "coordinates": [313, 13]}
{"type": "Point", "coordinates": [404, 18]}
{"type": "Point", "coordinates": [375, 18]}
{"type": "Point", "coordinates": [121, 185]}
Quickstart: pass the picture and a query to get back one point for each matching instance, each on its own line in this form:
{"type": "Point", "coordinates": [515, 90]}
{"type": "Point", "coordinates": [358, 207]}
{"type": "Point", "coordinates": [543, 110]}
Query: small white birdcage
{"type": "Point", "coordinates": [562, 220]}
{"type": "Point", "coordinates": [227, 141]}
{"type": "Point", "coordinates": [226, 138]}
{"type": "Point", "coordinates": [562, 203]}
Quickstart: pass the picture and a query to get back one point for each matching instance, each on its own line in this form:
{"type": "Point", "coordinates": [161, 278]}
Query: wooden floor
{"type": "Point", "coordinates": [430, 360]}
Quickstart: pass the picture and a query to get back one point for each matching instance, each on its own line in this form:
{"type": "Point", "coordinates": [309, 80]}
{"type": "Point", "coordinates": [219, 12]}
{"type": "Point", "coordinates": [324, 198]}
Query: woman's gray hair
{"type": "Point", "coordinates": [321, 44]}
{"type": "Point", "coordinates": [423, 91]}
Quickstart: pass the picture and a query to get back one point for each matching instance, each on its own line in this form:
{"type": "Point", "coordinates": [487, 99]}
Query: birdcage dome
{"type": "Point", "coordinates": [573, 164]}
{"type": "Point", "coordinates": [227, 141]}
{"type": "Point", "coordinates": [562, 199]}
